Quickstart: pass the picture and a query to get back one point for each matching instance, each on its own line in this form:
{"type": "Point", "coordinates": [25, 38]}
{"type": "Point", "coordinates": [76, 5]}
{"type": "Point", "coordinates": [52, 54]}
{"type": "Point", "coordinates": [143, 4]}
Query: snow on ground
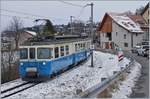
{"type": "Point", "coordinates": [125, 89]}
{"type": "Point", "coordinates": [82, 77]}
{"type": "Point", "coordinates": [11, 84]}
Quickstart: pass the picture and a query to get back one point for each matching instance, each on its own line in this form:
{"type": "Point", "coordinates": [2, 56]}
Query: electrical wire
{"type": "Point", "coordinates": [17, 16]}
{"type": "Point", "coordinates": [71, 3]}
{"type": "Point", "coordinates": [24, 13]}
{"type": "Point", "coordinates": [81, 11]}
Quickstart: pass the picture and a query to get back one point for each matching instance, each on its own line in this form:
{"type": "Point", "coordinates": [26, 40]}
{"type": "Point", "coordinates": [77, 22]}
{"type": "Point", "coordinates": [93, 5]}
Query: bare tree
{"type": "Point", "coordinates": [139, 10]}
{"type": "Point", "coordinates": [16, 26]}
{"type": "Point", "coordinates": [128, 13]}
{"type": "Point", "coordinates": [14, 31]}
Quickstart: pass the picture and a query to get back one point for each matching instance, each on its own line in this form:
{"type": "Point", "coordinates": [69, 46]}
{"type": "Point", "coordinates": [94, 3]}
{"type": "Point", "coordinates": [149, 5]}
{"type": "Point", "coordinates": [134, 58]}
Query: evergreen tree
{"type": "Point", "coordinates": [48, 29]}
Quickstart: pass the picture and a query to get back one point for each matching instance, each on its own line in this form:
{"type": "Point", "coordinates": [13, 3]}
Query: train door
{"type": "Point", "coordinates": [56, 51]}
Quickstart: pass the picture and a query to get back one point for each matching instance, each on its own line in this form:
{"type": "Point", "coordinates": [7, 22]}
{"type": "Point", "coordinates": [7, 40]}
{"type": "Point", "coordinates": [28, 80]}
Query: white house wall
{"type": "Point", "coordinates": [103, 39]}
{"type": "Point", "coordinates": [137, 38]}
{"type": "Point", "coordinates": [119, 38]}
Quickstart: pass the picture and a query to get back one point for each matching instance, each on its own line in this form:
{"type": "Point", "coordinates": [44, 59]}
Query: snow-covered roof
{"type": "Point", "coordinates": [124, 21]}
{"type": "Point", "coordinates": [31, 32]}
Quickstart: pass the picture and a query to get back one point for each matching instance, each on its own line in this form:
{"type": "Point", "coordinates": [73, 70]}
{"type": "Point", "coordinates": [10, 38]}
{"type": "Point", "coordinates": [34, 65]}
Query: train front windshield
{"type": "Point", "coordinates": [44, 53]}
{"type": "Point", "coordinates": [23, 53]}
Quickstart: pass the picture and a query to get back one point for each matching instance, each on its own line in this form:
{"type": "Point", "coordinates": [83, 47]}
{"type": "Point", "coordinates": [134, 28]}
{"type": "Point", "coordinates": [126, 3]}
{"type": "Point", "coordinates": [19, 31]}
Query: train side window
{"type": "Point", "coordinates": [62, 50]}
{"type": "Point", "coordinates": [83, 45]}
{"type": "Point", "coordinates": [32, 53]}
{"type": "Point", "coordinates": [23, 53]}
{"type": "Point", "coordinates": [56, 52]}
{"type": "Point", "coordinates": [67, 49]}
{"type": "Point", "coordinates": [76, 47]}
{"type": "Point", "coordinates": [44, 53]}
{"type": "Point", "coordinates": [88, 45]}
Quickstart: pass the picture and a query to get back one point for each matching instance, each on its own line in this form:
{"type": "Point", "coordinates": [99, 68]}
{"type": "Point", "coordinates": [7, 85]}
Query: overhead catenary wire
{"type": "Point", "coordinates": [22, 17]}
{"type": "Point", "coordinates": [81, 11]}
{"type": "Point", "coordinates": [40, 16]}
{"type": "Point", "coordinates": [34, 16]}
{"type": "Point", "coordinates": [17, 16]}
{"type": "Point", "coordinates": [70, 3]}
{"type": "Point", "coordinates": [29, 14]}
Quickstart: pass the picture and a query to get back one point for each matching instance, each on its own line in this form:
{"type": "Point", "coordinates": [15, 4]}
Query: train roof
{"type": "Point", "coordinates": [49, 40]}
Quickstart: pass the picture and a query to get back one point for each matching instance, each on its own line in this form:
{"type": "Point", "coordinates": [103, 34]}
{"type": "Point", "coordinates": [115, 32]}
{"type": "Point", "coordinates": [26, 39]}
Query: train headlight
{"type": "Point", "coordinates": [21, 63]}
{"type": "Point", "coordinates": [44, 63]}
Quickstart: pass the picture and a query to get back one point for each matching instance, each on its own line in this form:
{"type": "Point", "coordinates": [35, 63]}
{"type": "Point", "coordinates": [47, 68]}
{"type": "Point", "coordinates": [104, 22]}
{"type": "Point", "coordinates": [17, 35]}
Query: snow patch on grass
{"type": "Point", "coordinates": [125, 88]}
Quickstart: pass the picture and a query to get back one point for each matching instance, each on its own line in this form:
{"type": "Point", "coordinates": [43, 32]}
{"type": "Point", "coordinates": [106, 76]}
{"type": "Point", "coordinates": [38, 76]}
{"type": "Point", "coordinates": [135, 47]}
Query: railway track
{"type": "Point", "coordinates": [21, 87]}
{"type": "Point", "coordinates": [17, 89]}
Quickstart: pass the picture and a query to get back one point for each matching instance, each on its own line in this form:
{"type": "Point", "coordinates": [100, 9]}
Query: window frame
{"type": "Point", "coordinates": [67, 51]}
{"type": "Point", "coordinates": [116, 33]}
{"type": "Point", "coordinates": [58, 52]}
{"type": "Point", "coordinates": [125, 44]}
{"type": "Point", "coordinates": [62, 51]}
{"type": "Point", "coordinates": [50, 55]}
{"type": "Point", "coordinates": [76, 47]}
{"type": "Point", "coordinates": [125, 36]}
{"type": "Point", "coordinates": [34, 53]}
{"type": "Point", "coordinates": [26, 53]}
{"type": "Point", "coordinates": [79, 47]}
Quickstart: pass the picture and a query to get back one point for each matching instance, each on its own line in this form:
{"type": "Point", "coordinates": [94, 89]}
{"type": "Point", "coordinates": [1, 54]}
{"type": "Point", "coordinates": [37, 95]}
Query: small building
{"type": "Point", "coordinates": [118, 30]}
{"type": "Point", "coordinates": [145, 13]}
{"type": "Point", "coordinates": [8, 40]}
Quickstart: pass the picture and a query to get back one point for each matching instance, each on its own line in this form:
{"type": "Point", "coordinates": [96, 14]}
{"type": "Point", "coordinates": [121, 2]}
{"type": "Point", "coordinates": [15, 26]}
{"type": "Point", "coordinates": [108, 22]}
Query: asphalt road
{"type": "Point", "coordinates": [141, 89]}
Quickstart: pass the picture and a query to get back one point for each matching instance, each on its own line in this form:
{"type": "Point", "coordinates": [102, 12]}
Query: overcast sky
{"type": "Point", "coordinates": [59, 12]}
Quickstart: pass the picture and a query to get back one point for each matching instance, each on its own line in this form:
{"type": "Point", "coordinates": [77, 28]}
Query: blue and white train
{"type": "Point", "coordinates": [40, 59]}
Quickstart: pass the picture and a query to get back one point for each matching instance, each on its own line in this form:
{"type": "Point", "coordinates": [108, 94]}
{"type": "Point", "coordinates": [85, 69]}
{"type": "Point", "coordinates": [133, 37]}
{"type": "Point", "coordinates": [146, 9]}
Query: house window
{"type": "Point", "coordinates": [108, 35]}
{"type": "Point", "coordinates": [116, 33]}
{"type": "Point", "coordinates": [125, 44]}
{"type": "Point", "coordinates": [136, 34]}
{"type": "Point", "coordinates": [124, 36]}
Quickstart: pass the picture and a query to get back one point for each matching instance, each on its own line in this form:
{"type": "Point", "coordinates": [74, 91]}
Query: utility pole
{"type": "Point", "coordinates": [71, 25]}
{"type": "Point", "coordinates": [92, 34]}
